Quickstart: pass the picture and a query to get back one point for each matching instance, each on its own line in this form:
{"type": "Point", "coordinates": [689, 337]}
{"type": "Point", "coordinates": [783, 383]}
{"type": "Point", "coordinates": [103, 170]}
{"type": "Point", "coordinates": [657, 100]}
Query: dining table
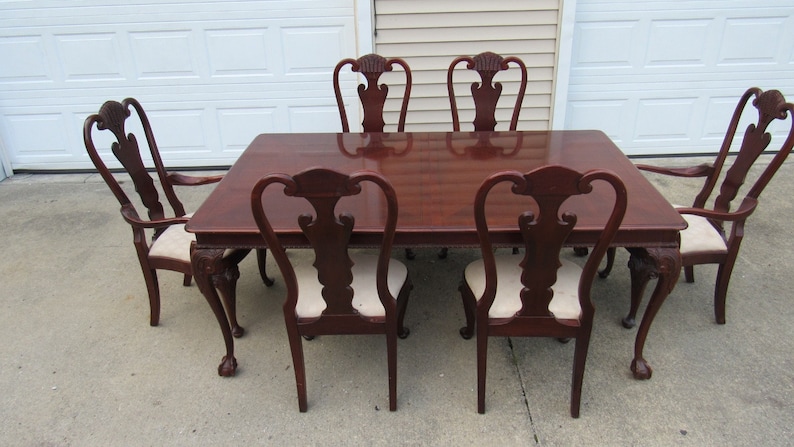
{"type": "Point", "coordinates": [435, 176]}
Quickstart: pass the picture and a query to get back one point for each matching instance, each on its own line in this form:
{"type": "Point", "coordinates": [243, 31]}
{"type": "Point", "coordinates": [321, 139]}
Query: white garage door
{"type": "Point", "coordinates": [663, 77]}
{"type": "Point", "coordinates": [211, 75]}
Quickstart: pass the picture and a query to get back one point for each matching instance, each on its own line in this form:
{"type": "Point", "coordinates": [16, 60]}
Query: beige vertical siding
{"type": "Point", "coordinates": [429, 34]}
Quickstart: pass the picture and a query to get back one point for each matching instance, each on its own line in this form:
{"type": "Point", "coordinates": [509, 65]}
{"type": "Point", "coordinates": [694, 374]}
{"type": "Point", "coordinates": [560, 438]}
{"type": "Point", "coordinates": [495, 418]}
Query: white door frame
{"type": "Point", "coordinates": [365, 16]}
{"type": "Point", "coordinates": [5, 162]}
{"type": "Point", "coordinates": [562, 75]}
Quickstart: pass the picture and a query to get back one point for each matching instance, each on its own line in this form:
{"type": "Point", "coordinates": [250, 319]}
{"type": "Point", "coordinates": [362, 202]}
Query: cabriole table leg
{"type": "Point", "coordinates": [206, 264]}
{"type": "Point", "coordinates": [645, 264]}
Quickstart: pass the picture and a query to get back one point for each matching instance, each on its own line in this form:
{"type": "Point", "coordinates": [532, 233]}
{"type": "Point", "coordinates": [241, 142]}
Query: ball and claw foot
{"type": "Point", "coordinates": [228, 367]}
{"type": "Point", "coordinates": [238, 331]}
{"type": "Point", "coordinates": [466, 332]}
{"type": "Point", "coordinates": [641, 369]}
{"type": "Point", "coordinates": [581, 251]}
{"type": "Point", "coordinates": [629, 322]}
{"type": "Point", "coordinates": [409, 254]}
{"type": "Point", "coordinates": [403, 332]}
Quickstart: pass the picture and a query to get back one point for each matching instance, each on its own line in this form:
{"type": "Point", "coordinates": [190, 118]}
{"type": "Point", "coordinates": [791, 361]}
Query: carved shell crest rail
{"type": "Point", "coordinates": [112, 116]}
{"type": "Point", "coordinates": [487, 62]}
{"type": "Point", "coordinates": [372, 64]}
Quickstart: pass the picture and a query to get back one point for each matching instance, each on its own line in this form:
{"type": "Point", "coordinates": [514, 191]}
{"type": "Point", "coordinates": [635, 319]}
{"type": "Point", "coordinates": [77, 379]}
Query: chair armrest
{"type": "Point", "coordinates": [192, 180]}
{"type": "Point", "coordinates": [132, 218]}
{"type": "Point", "coordinates": [745, 209]}
{"type": "Point", "coordinates": [693, 171]}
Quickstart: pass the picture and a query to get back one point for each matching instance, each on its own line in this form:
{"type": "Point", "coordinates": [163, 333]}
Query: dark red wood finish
{"type": "Point", "coordinates": [372, 95]}
{"type": "Point", "coordinates": [435, 176]}
{"type": "Point", "coordinates": [544, 230]}
{"type": "Point", "coordinates": [766, 107]}
{"type": "Point", "coordinates": [112, 117]}
{"type": "Point", "coordinates": [328, 229]}
{"type": "Point", "coordinates": [486, 93]}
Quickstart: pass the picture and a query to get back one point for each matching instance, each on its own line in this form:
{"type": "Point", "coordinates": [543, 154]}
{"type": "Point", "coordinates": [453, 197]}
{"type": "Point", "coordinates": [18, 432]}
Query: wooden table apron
{"type": "Point", "coordinates": [435, 176]}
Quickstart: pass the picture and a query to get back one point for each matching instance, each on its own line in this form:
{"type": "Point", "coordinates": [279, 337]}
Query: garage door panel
{"type": "Point", "coordinates": [226, 61]}
{"type": "Point", "coordinates": [604, 114]}
{"type": "Point", "coordinates": [42, 134]}
{"type": "Point", "coordinates": [663, 77]}
{"type": "Point", "coordinates": [238, 126]}
{"type": "Point", "coordinates": [181, 130]}
{"type": "Point", "coordinates": [88, 56]}
{"type": "Point", "coordinates": [677, 113]}
{"type": "Point", "coordinates": [30, 55]}
{"type": "Point", "coordinates": [210, 77]}
{"type": "Point", "coordinates": [164, 54]}
{"type": "Point", "coordinates": [753, 40]}
{"type": "Point", "coordinates": [719, 112]}
{"type": "Point", "coordinates": [311, 118]}
{"type": "Point", "coordinates": [309, 50]}
{"type": "Point", "coordinates": [678, 43]}
{"type": "Point", "coordinates": [601, 45]}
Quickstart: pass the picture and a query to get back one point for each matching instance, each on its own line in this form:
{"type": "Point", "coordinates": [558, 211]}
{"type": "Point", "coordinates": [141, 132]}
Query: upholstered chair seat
{"type": "Point", "coordinates": [563, 306]}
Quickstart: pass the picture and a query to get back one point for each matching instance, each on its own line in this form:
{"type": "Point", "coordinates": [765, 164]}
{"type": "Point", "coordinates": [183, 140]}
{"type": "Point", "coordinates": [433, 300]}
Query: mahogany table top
{"type": "Point", "coordinates": [435, 176]}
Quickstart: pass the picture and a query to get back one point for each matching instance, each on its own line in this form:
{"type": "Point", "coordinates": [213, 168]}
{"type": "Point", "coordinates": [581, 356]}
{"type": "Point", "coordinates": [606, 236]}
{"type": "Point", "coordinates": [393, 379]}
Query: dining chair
{"type": "Point", "coordinates": [486, 93]}
{"type": "Point", "coordinates": [342, 291]}
{"type": "Point", "coordinates": [707, 240]}
{"type": "Point", "coordinates": [160, 240]}
{"type": "Point", "coordinates": [373, 96]}
{"type": "Point", "coordinates": [538, 295]}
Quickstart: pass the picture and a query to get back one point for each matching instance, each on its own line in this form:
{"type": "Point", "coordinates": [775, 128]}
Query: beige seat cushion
{"type": "Point", "coordinates": [364, 285]}
{"type": "Point", "coordinates": [700, 236]}
{"type": "Point", "coordinates": [174, 243]}
{"type": "Point", "coordinates": [564, 305]}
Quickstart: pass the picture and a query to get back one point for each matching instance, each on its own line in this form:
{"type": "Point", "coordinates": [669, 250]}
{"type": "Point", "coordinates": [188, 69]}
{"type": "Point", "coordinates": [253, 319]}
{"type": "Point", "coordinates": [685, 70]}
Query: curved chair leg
{"type": "Point", "coordinates": [579, 361]}
{"type": "Point", "coordinates": [610, 262]}
{"type": "Point", "coordinates": [689, 273]}
{"type": "Point", "coordinates": [469, 308]}
{"type": "Point", "coordinates": [188, 279]}
{"type": "Point", "coordinates": [402, 306]}
{"type": "Point", "coordinates": [226, 283]}
{"type": "Point", "coordinates": [482, 364]}
{"type": "Point", "coordinates": [261, 258]}
{"type": "Point", "coordinates": [391, 353]}
{"type": "Point", "coordinates": [153, 288]}
{"type": "Point", "coordinates": [721, 291]}
{"type": "Point", "coordinates": [296, 347]}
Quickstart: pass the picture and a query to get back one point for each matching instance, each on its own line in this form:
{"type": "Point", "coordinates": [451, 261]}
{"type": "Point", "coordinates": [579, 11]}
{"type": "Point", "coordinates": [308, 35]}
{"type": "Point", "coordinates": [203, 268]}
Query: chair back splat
{"type": "Point", "coordinates": [537, 294]}
{"type": "Point", "coordinates": [341, 291]}
{"type": "Point", "coordinates": [486, 93]}
{"type": "Point", "coordinates": [373, 95]}
{"type": "Point", "coordinates": [112, 117]}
